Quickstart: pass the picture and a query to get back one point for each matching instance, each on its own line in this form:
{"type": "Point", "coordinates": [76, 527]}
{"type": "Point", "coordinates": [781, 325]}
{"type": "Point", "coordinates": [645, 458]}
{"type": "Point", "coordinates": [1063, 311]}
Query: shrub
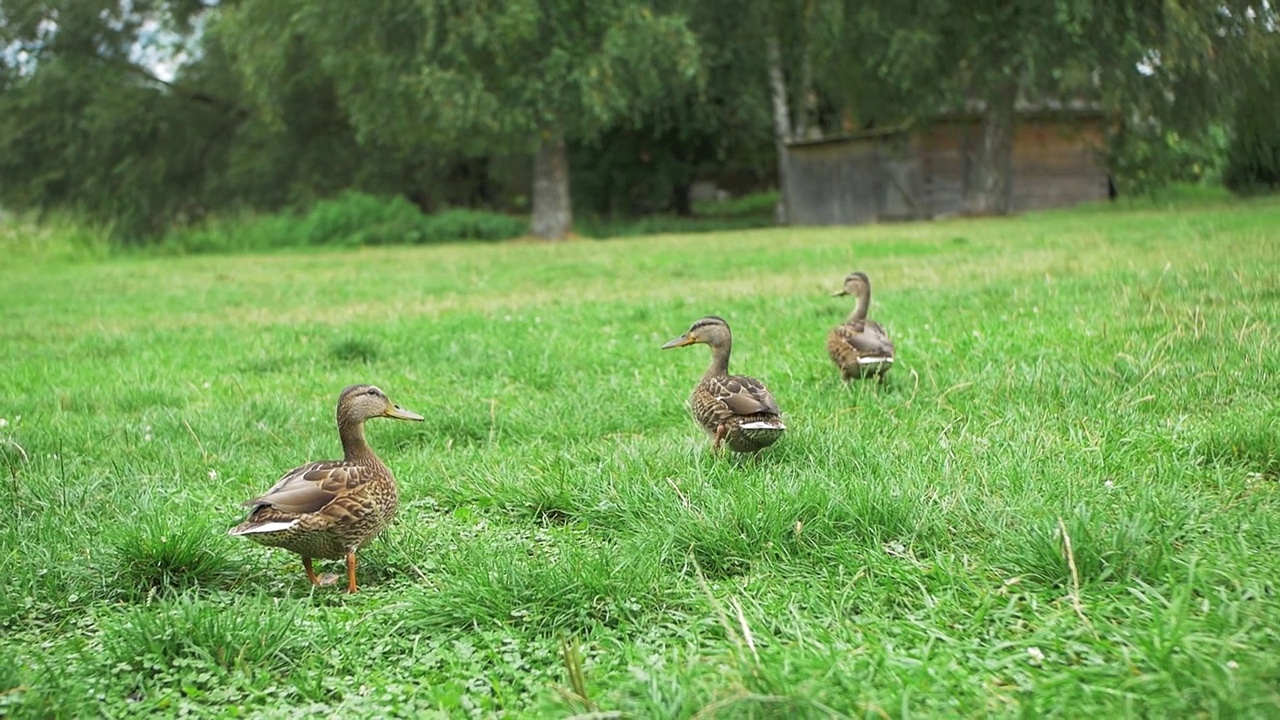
{"type": "Point", "coordinates": [355, 218]}
{"type": "Point", "coordinates": [349, 220]}
{"type": "Point", "coordinates": [471, 225]}
{"type": "Point", "coordinates": [1253, 156]}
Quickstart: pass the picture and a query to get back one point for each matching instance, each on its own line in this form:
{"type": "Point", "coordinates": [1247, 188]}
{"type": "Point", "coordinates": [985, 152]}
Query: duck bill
{"type": "Point", "coordinates": [679, 342]}
{"type": "Point", "coordinates": [838, 293]}
{"type": "Point", "coordinates": [400, 413]}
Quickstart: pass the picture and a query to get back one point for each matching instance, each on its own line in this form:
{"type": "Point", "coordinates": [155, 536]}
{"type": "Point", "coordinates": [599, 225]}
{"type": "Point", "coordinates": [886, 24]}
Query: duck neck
{"type": "Point", "coordinates": [354, 447]}
{"type": "Point", "coordinates": [864, 303]}
{"type": "Point", "coordinates": [719, 360]}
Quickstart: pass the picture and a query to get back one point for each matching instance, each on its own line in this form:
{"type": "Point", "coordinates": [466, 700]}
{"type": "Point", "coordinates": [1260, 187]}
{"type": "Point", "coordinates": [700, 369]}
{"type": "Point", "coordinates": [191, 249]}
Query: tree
{"type": "Point", "coordinates": [1253, 156]}
{"type": "Point", "coordinates": [520, 76]}
{"type": "Point", "coordinates": [85, 122]}
{"type": "Point", "coordinates": [1175, 61]}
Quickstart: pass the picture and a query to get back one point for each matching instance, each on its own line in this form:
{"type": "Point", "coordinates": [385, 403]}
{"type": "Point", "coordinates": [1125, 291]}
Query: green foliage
{"type": "Point", "coordinates": [596, 227]}
{"type": "Point", "coordinates": [235, 233]}
{"type": "Point", "coordinates": [359, 219]}
{"type": "Point", "coordinates": [1147, 159]}
{"type": "Point", "coordinates": [351, 220]}
{"type": "Point", "coordinates": [463, 224]}
{"type": "Point", "coordinates": [750, 211]}
{"type": "Point", "coordinates": [494, 78]}
{"type": "Point", "coordinates": [759, 203]}
{"type": "Point", "coordinates": [1253, 157]}
{"type": "Point", "coordinates": [58, 235]}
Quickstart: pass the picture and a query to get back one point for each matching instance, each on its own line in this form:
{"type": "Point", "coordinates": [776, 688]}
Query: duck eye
{"type": "Point", "coordinates": [371, 391]}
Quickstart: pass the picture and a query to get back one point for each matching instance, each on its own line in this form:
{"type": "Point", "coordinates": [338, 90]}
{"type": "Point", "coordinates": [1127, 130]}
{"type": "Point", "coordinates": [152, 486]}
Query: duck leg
{"type": "Point", "coordinates": [721, 431]}
{"type": "Point", "coordinates": [316, 580]}
{"type": "Point", "coordinates": [351, 572]}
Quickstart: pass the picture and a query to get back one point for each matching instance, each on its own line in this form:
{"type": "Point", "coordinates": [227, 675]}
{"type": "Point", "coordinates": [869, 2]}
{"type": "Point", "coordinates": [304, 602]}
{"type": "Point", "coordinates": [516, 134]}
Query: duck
{"type": "Point", "coordinates": [332, 508]}
{"type": "Point", "coordinates": [735, 410]}
{"type": "Point", "coordinates": [859, 347]}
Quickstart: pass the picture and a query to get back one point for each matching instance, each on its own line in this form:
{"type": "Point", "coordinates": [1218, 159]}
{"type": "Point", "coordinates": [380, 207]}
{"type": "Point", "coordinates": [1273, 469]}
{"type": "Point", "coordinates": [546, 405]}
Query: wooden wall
{"type": "Point", "coordinates": [1055, 163]}
{"type": "Point", "coordinates": [834, 183]}
{"type": "Point", "coordinates": [896, 176]}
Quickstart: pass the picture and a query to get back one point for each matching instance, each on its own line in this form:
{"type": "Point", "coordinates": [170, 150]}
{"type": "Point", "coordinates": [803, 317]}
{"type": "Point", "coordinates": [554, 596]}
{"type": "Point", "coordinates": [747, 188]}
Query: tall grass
{"type": "Point", "coordinates": [29, 237]}
{"type": "Point", "coordinates": [1064, 500]}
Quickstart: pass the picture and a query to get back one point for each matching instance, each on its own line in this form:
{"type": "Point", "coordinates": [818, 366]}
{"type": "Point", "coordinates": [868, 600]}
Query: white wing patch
{"type": "Point", "coordinates": [265, 528]}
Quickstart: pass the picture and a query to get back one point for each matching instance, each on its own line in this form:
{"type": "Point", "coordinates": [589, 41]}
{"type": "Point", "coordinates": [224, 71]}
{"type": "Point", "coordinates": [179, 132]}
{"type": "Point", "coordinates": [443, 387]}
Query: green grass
{"type": "Point", "coordinates": [566, 543]}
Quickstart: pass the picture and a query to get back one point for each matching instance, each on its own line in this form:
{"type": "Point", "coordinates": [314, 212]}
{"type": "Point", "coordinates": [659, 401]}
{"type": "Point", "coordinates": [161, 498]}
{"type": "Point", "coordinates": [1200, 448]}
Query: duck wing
{"type": "Point", "coordinates": [866, 337]}
{"type": "Point", "coordinates": [744, 395]}
{"type": "Point", "coordinates": [308, 489]}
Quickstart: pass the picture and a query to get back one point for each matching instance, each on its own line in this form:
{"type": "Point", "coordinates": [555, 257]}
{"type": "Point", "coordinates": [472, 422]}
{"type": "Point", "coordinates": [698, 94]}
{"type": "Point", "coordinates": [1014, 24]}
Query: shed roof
{"type": "Point", "coordinates": [972, 110]}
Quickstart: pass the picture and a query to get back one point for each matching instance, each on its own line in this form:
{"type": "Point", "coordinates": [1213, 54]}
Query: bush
{"type": "Point", "coordinates": [349, 220]}
{"type": "Point", "coordinates": [355, 218]}
{"type": "Point", "coordinates": [471, 225]}
{"type": "Point", "coordinates": [1145, 159]}
{"type": "Point", "coordinates": [1253, 156]}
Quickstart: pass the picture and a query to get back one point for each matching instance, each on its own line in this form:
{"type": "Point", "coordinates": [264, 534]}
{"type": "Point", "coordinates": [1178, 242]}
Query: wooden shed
{"type": "Point", "coordinates": [923, 172]}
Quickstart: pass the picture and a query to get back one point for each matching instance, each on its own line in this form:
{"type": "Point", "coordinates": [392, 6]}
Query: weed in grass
{"type": "Point", "coordinates": [158, 551]}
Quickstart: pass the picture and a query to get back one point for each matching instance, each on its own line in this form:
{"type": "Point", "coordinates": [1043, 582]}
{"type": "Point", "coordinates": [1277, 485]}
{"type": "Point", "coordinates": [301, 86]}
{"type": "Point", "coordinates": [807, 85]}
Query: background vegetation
{"type": "Point", "coordinates": [157, 117]}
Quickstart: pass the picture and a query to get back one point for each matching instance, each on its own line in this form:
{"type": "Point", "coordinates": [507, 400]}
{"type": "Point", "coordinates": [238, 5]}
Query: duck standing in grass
{"type": "Point", "coordinates": [858, 346]}
{"type": "Point", "coordinates": [331, 509]}
{"type": "Point", "coordinates": [734, 409]}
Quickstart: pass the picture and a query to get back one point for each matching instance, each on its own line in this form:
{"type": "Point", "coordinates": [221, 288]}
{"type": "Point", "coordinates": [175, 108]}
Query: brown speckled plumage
{"type": "Point", "coordinates": [331, 509]}
{"type": "Point", "coordinates": [858, 346]}
{"type": "Point", "coordinates": [735, 410]}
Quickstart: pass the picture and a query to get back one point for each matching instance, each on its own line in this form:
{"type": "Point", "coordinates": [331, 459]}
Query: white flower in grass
{"type": "Point", "coordinates": [4, 422]}
{"type": "Point", "coordinates": [1233, 665]}
{"type": "Point", "coordinates": [207, 385]}
{"type": "Point", "coordinates": [1109, 484]}
{"type": "Point", "coordinates": [213, 474]}
{"type": "Point", "coordinates": [1035, 656]}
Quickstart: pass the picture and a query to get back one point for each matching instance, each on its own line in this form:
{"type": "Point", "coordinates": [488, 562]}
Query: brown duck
{"type": "Point", "coordinates": [859, 347]}
{"type": "Point", "coordinates": [331, 509]}
{"type": "Point", "coordinates": [734, 409]}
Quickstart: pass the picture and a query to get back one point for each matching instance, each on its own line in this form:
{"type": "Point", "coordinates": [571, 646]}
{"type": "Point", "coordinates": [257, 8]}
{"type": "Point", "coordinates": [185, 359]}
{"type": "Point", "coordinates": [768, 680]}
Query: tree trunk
{"type": "Point", "coordinates": [680, 200]}
{"type": "Point", "coordinates": [990, 183]}
{"type": "Point", "coordinates": [552, 212]}
{"type": "Point", "coordinates": [806, 125]}
{"type": "Point", "coordinates": [781, 125]}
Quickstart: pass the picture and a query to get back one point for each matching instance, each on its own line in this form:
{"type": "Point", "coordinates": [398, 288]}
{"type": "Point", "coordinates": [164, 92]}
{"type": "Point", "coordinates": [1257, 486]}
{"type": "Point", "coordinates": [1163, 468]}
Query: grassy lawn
{"type": "Point", "coordinates": [1065, 501]}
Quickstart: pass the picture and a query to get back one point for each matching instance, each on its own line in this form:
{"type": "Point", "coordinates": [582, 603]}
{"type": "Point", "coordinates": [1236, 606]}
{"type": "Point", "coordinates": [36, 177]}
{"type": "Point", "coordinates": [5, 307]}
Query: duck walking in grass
{"type": "Point", "coordinates": [331, 509]}
{"type": "Point", "coordinates": [858, 346]}
{"type": "Point", "coordinates": [734, 409]}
